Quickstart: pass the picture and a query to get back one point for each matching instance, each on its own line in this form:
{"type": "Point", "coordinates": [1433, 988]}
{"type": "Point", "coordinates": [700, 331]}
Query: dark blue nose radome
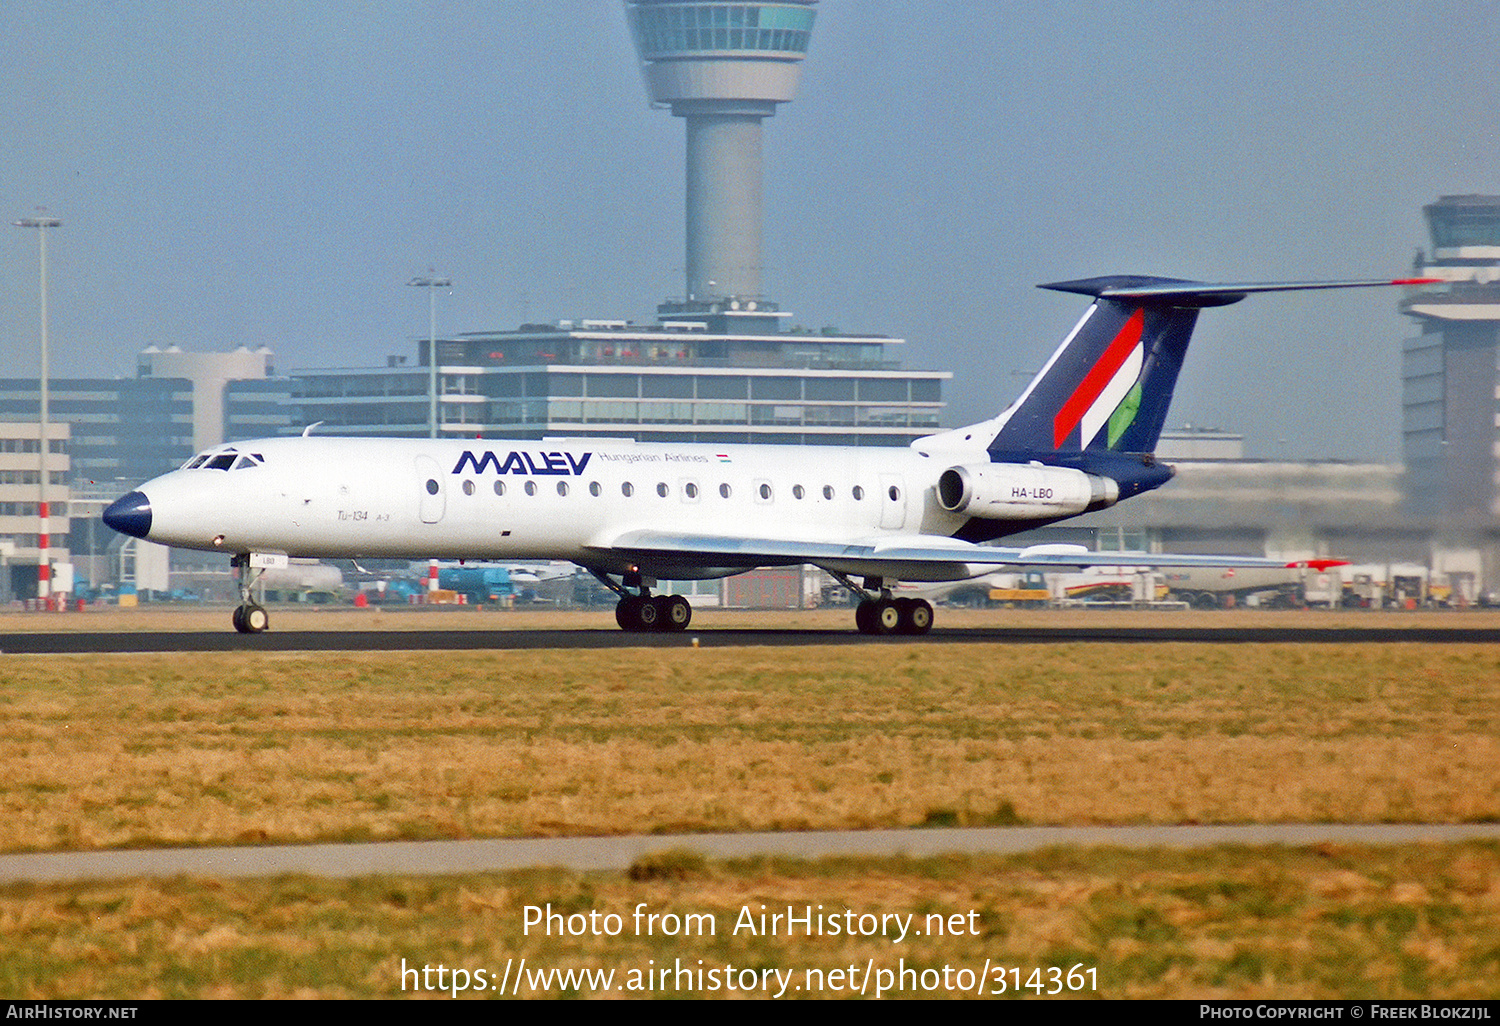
{"type": "Point", "coordinates": [130, 514]}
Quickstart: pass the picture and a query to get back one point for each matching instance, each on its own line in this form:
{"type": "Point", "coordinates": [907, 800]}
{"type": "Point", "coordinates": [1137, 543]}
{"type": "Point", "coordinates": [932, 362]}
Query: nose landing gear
{"type": "Point", "coordinates": [249, 616]}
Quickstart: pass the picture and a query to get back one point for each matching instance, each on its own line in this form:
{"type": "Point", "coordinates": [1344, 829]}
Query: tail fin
{"type": "Point", "coordinates": [1109, 385]}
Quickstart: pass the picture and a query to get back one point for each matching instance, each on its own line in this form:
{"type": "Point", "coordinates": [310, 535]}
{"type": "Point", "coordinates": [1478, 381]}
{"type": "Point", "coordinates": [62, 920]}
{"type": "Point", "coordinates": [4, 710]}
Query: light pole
{"type": "Point", "coordinates": [44, 546]}
{"type": "Point", "coordinates": [430, 283]}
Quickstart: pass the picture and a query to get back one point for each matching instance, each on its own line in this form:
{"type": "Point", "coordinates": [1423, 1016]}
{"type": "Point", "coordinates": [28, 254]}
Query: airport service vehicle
{"type": "Point", "coordinates": [1385, 586]}
{"type": "Point", "coordinates": [1216, 587]}
{"type": "Point", "coordinates": [480, 585]}
{"type": "Point", "coordinates": [1079, 438]}
{"type": "Point", "coordinates": [1027, 590]}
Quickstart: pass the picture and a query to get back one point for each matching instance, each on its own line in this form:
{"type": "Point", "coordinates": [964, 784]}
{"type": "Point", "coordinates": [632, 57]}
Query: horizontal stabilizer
{"type": "Point", "coordinates": [1178, 292]}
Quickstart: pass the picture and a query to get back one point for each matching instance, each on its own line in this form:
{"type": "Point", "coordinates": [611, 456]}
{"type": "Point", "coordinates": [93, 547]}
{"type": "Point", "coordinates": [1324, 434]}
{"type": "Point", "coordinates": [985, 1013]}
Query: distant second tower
{"type": "Point", "coordinates": [723, 67]}
{"type": "Point", "coordinates": [1451, 373]}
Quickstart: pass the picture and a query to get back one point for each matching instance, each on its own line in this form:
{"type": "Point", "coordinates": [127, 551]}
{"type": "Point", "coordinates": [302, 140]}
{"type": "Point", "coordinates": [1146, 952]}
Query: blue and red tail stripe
{"type": "Point", "coordinates": [1109, 386]}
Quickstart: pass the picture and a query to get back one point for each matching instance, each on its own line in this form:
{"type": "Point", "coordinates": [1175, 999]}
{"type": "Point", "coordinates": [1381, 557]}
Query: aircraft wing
{"type": "Point", "coordinates": [900, 557]}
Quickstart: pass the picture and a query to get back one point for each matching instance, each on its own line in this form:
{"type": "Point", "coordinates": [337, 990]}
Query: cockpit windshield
{"type": "Point", "coordinates": [224, 459]}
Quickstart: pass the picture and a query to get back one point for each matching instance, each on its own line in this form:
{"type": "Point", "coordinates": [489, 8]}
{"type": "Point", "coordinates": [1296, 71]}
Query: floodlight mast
{"type": "Point", "coordinates": [43, 538]}
{"type": "Point", "coordinates": [430, 284]}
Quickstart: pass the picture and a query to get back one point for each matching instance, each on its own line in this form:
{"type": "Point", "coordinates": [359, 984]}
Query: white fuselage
{"type": "Point", "coordinates": [550, 499]}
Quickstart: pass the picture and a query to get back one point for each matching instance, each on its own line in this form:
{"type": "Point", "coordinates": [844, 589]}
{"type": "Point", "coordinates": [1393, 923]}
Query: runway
{"type": "Point", "coordinates": [108, 642]}
{"type": "Point", "coordinates": [424, 858]}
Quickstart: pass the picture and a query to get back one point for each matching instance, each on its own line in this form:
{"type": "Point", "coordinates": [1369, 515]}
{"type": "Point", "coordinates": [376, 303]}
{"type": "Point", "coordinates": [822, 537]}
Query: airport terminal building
{"type": "Point", "coordinates": [713, 377]}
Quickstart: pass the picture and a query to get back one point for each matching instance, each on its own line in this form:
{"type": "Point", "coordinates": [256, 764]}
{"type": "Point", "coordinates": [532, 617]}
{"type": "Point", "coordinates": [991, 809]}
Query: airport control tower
{"type": "Point", "coordinates": [722, 67]}
{"type": "Point", "coordinates": [1451, 374]}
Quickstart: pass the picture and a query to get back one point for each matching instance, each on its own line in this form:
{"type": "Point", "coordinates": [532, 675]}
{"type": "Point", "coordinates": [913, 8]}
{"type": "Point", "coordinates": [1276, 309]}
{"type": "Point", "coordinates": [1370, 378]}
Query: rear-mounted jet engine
{"type": "Point", "coordinates": [1006, 491]}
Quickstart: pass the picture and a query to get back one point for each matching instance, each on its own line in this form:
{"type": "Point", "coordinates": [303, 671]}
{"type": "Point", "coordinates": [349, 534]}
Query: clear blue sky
{"type": "Point", "coordinates": [273, 173]}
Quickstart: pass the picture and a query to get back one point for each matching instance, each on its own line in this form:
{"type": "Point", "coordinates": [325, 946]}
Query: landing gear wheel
{"type": "Point", "coordinates": [651, 614]}
{"type": "Point", "coordinates": [679, 613]}
{"type": "Point", "coordinates": [916, 616]}
{"type": "Point", "coordinates": [627, 613]}
{"type": "Point", "coordinates": [251, 619]}
{"type": "Point", "coordinates": [257, 619]}
{"type": "Point", "coordinates": [864, 617]}
{"type": "Point", "coordinates": [887, 618]}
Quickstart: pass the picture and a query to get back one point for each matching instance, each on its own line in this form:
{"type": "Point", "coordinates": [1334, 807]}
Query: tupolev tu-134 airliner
{"type": "Point", "coordinates": [1079, 438]}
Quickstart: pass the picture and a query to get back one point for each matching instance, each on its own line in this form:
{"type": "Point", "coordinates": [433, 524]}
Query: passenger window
{"type": "Point", "coordinates": [594, 489]}
{"type": "Point", "coordinates": [798, 491]}
{"type": "Point", "coordinates": [562, 488]}
{"type": "Point", "coordinates": [468, 487]}
{"type": "Point", "coordinates": [725, 490]}
{"type": "Point", "coordinates": [765, 492]}
{"type": "Point", "coordinates": [432, 487]}
{"type": "Point", "coordinates": [690, 490]}
{"type": "Point", "coordinates": [499, 487]}
{"type": "Point", "coordinates": [858, 493]}
{"type": "Point", "coordinates": [828, 491]}
{"type": "Point", "coordinates": [530, 487]}
{"type": "Point", "coordinates": [895, 493]}
{"type": "Point", "coordinates": [627, 489]}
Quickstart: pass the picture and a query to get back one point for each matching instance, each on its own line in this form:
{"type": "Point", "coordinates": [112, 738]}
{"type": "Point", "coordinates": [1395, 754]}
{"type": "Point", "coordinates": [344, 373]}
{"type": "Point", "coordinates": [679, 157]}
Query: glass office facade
{"type": "Point", "coordinates": [653, 385]}
{"type": "Point", "coordinates": [122, 428]}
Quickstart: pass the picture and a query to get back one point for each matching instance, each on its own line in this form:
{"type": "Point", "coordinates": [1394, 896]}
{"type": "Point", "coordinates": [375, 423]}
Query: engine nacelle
{"type": "Point", "coordinates": [1014, 491]}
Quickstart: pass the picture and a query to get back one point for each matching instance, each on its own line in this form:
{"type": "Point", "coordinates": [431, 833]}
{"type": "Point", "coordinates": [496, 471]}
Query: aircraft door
{"type": "Point", "coordinates": [432, 491]}
{"type": "Point", "coordinates": [892, 501]}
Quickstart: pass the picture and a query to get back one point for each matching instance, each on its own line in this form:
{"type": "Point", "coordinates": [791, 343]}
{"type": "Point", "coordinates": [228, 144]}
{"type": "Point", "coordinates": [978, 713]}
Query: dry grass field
{"type": "Point", "coordinates": [1245, 924]}
{"type": "Point", "coordinates": [113, 751]}
{"type": "Point", "coordinates": [116, 751]}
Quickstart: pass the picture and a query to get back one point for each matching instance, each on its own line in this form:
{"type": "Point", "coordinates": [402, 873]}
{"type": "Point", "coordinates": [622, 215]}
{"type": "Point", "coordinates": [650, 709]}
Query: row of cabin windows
{"type": "Point", "coordinates": [689, 489]}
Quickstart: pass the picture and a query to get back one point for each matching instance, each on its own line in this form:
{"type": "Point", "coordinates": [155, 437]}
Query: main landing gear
{"type": "Point", "coordinates": [883, 614]}
{"type": "Point", "coordinates": [642, 611]}
{"type": "Point", "coordinates": [887, 615]}
{"type": "Point", "coordinates": [249, 617]}
{"type": "Point", "coordinates": [653, 613]}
